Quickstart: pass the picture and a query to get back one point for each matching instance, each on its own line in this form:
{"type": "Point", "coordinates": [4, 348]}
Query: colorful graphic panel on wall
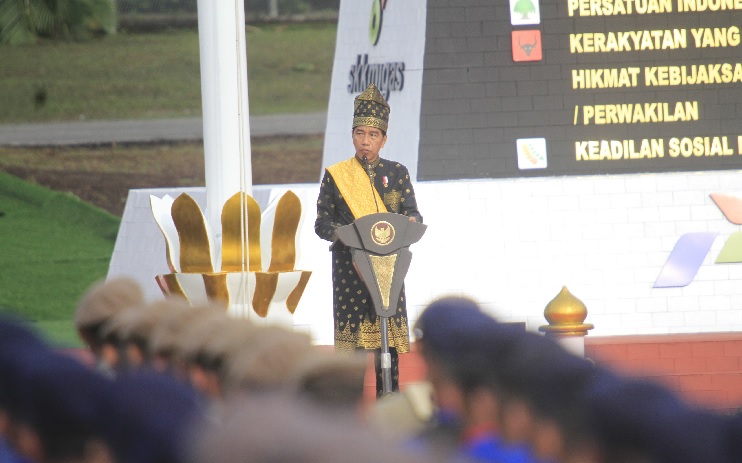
{"type": "Point", "coordinates": [612, 86]}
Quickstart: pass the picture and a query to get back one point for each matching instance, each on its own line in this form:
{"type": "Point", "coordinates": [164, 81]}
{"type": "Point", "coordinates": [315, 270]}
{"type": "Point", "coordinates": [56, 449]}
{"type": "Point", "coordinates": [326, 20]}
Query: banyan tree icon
{"type": "Point", "coordinates": [254, 267]}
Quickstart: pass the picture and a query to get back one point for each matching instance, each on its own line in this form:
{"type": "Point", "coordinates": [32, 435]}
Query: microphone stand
{"type": "Point", "coordinates": [385, 358]}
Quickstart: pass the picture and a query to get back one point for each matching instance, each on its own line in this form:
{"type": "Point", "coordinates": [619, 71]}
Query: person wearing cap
{"type": "Point", "coordinates": [276, 427]}
{"type": "Point", "coordinates": [538, 385]}
{"type": "Point", "coordinates": [456, 339]}
{"type": "Point", "coordinates": [635, 419]}
{"type": "Point", "coordinates": [150, 417]}
{"type": "Point", "coordinates": [132, 330]}
{"type": "Point", "coordinates": [20, 345]}
{"type": "Point", "coordinates": [361, 185]}
{"type": "Point", "coordinates": [113, 341]}
{"type": "Point", "coordinates": [331, 380]}
{"type": "Point", "coordinates": [99, 304]}
{"type": "Point", "coordinates": [203, 374]}
{"type": "Point", "coordinates": [168, 334]}
{"type": "Point", "coordinates": [439, 340]}
{"type": "Point", "coordinates": [267, 361]}
{"type": "Point", "coordinates": [55, 409]}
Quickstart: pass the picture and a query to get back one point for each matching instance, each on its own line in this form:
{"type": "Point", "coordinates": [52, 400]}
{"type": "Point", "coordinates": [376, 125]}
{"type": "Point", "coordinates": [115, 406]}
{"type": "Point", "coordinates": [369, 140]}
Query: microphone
{"type": "Point", "coordinates": [371, 175]}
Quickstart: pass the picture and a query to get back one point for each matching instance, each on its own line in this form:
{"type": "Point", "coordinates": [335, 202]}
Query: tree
{"type": "Point", "coordinates": [524, 7]}
{"type": "Point", "coordinates": [24, 21]}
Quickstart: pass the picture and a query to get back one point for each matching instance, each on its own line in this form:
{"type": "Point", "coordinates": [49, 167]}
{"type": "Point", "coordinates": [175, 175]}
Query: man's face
{"type": "Point", "coordinates": [368, 141]}
{"type": "Point", "coordinates": [447, 395]}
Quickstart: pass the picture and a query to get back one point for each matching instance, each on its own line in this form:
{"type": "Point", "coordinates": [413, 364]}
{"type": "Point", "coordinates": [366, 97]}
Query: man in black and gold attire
{"type": "Point", "coordinates": [362, 185]}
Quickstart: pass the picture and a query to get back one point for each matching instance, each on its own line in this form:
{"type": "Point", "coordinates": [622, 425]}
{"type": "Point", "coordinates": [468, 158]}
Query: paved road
{"type": "Point", "coordinates": [93, 132]}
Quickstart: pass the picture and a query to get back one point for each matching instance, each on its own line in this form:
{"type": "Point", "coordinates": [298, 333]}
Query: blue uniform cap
{"type": "Point", "coordinates": [454, 327]}
{"type": "Point", "coordinates": [457, 334]}
{"type": "Point", "coordinates": [150, 416]}
{"type": "Point", "coordinates": [20, 346]}
{"type": "Point", "coordinates": [540, 372]}
{"type": "Point", "coordinates": [60, 399]}
{"type": "Point", "coordinates": [634, 417]}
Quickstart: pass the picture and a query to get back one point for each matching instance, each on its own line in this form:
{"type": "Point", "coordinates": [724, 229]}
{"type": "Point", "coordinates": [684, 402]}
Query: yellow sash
{"type": "Point", "coordinates": [355, 186]}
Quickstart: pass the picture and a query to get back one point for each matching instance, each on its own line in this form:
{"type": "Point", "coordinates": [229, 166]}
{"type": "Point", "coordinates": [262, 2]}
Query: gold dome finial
{"type": "Point", "coordinates": [565, 314]}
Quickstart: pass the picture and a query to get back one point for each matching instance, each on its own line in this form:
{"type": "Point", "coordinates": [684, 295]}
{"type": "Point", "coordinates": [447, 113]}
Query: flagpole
{"type": "Point", "coordinates": [224, 99]}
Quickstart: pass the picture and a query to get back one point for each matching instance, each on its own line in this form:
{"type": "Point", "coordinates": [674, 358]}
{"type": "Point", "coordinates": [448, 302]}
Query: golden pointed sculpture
{"type": "Point", "coordinates": [236, 277]}
{"type": "Point", "coordinates": [566, 315]}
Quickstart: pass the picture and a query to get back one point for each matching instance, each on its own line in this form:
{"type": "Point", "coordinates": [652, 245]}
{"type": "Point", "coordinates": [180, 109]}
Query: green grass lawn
{"type": "Point", "coordinates": [54, 246]}
{"type": "Point", "coordinates": [158, 75]}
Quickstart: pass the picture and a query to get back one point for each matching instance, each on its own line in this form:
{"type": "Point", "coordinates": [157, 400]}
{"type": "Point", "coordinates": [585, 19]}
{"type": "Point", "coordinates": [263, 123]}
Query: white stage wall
{"type": "Point", "coordinates": [512, 244]}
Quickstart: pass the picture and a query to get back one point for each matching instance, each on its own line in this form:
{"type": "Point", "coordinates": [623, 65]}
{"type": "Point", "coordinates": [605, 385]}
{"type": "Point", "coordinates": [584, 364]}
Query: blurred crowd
{"type": "Point", "coordinates": [173, 383]}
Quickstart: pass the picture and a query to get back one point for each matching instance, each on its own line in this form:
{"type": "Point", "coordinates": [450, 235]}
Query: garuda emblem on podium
{"type": "Point", "coordinates": [382, 233]}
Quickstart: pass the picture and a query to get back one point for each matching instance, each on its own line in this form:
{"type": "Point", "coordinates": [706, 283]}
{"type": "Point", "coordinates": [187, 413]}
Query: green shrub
{"type": "Point", "coordinates": [24, 21]}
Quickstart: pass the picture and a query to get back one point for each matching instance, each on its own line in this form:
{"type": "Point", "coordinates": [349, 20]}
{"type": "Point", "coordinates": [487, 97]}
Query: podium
{"type": "Point", "coordinates": [379, 245]}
